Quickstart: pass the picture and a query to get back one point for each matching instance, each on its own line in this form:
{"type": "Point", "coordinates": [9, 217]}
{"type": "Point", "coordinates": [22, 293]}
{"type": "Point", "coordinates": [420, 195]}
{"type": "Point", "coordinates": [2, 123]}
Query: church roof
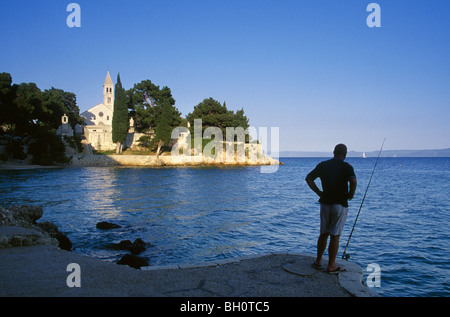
{"type": "Point", "coordinates": [108, 80]}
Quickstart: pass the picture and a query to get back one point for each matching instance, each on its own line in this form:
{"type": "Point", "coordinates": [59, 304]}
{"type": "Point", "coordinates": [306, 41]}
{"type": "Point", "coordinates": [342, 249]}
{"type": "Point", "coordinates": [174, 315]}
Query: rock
{"type": "Point", "coordinates": [123, 245]}
{"type": "Point", "coordinates": [28, 213]}
{"type": "Point", "coordinates": [104, 225]}
{"type": "Point", "coordinates": [136, 247]}
{"type": "Point", "coordinates": [19, 229]}
{"type": "Point", "coordinates": [3, 241]}
{"type": "Point", "coordinates": [16, 241]}
{"type": "Point", "coordinates": [27, 242]}
{"type": "Point", "coordinates": [21, 216]}
{"type": "Point", "coordinates": [46, 241]}
{"type": "Point", "coordinates": [133, 261]}
{"type": "Point", "coordinates": [48, 227]}
{"type": "Point", "coordinates": [63, 241]}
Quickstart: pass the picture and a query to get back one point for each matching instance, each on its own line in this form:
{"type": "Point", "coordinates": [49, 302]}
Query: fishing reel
{"type": "Point", "coordinates": [346, 257]}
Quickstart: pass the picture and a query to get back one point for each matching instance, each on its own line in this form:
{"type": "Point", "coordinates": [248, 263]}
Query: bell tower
{"type": "Point", "coordinates": [108, 92]}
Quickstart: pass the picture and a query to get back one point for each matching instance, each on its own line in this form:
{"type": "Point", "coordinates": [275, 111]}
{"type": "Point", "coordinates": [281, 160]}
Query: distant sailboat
{"type": "Point", "coordinates": [364, 155]}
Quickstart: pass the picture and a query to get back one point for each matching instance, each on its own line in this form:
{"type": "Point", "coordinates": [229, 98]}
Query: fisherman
{"type": "Point", "coordinates": [335, 175]}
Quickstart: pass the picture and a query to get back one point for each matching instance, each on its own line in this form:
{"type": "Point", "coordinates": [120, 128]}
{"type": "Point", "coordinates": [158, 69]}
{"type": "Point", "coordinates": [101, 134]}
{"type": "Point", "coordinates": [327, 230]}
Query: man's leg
{"type": "Point", "coordinates": [321, 246]}
{"type": "Point", "coordinates": [332, 252]}
{"type": "Point", "coordinates": [324, 231]}
{"type": "Point", "coordinates": [339, 215]}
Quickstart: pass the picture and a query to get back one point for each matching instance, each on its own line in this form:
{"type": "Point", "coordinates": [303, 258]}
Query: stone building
{"type": "Point", "coordinates": [98, 119]}
{"type": "Point", "coordinates": [64, 129]}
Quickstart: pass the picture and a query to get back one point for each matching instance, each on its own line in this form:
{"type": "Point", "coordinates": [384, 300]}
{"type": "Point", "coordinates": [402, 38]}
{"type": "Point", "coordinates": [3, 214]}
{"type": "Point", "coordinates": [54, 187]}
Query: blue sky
{"type": "Point", "coordinates": [312, 68]}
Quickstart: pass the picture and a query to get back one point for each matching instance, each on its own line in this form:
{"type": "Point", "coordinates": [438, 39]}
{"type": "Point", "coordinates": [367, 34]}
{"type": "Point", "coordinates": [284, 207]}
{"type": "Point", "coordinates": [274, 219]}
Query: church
{"type": "Point", "coordinates": [98, 120]}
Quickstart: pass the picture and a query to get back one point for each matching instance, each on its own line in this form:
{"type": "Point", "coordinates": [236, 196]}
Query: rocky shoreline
{"type": "Point", "coordinates": [88, 160]}
{"type": "Point", "coordinates": [33, 263]}
{"type": "Point", "coordinates": [19, 228]}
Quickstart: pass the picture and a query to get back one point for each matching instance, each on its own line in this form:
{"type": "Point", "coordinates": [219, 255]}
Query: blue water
{"type": "Point", "coordinates": [203, 214]}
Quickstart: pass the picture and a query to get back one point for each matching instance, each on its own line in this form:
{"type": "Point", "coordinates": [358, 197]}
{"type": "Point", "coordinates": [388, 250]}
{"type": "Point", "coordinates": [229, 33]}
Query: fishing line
{"type": "Point", "coordinates": [347, 256]}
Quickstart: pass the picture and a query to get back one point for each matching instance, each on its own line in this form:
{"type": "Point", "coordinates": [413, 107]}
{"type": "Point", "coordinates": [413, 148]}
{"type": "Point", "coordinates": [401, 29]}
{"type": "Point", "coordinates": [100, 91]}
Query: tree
{"type": "Point", "coordinates": [163, 130]}
{"type": "Point", "coordinates": [120, 116]}
{"type": "Point", "coordinates": [59, 102]}
{"type": "Point", "coordinates": [8, 107]}
{"type": "Point", "coordinates": [25, 110]}
{"type": "Point", "coordinates": [213, 114]}
{"type": "Point", "coordinates": [29, 109]}
{"type": "Point", "coordinates": [24, 107]}
{"type": "Point", "coordinates": [145, 104]}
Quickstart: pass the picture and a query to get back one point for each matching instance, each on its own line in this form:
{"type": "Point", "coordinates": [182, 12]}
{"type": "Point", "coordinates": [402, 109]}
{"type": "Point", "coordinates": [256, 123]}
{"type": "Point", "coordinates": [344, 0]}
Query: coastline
{"type": "Point", "coordinates": [164, 160]}
{"type": "Point", "coordinates": [20, 166]}
{"type": "Point", "coordinates": [91, 160]}
{"type": "Point", "coordinates": [32, 264]}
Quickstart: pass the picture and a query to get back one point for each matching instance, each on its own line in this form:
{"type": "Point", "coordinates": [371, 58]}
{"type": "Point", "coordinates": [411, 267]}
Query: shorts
{"type": "Point", "coordinates": [332, 218]}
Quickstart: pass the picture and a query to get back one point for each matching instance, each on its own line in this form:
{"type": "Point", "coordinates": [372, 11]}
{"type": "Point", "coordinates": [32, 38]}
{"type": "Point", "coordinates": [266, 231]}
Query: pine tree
{"type": "Point", "coordinates": [120, 116]}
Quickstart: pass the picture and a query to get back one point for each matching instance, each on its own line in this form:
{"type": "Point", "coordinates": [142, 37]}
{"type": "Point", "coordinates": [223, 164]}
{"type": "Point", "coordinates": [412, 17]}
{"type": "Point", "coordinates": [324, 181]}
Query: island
{"type": "Point", "coordinates": [136, 127]}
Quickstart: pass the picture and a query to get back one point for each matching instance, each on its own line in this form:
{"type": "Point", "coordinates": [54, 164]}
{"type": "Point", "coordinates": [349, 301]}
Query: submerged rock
{"type": "Point", "coordinates": [135, 247]}
{"type": "Point", "coordinates": [104, 225]}
{"type": "Point", "coordinates": [133, 261]}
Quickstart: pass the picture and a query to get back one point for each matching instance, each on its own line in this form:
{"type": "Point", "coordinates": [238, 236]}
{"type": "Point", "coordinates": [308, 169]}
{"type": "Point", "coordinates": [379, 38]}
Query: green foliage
{"type": "Point", "coordinates": [145, 104]}
{"type": "Point", "coordinates": [24, 107]}
{"type": "Point", "coordinates": [16, 149]}
{"type": "Point", "coordinates": [145, 141]}
{"type": "Point", "coordinates": [47, 148]}
{"type": "Point", "coordinates": [120, 116]}
{"type": "Point", "coordinates": [74, 142]}
{"type": "Point", "coordinates": [57, 103]}
{"type": "Point", "coordinates": [25, 110]}
{"type": "Point", "coordinates": [163, 130]}
{"type": "Point", "coordinates": [7, 105]}
{"type": "Point", "coordinates": [213, 114]}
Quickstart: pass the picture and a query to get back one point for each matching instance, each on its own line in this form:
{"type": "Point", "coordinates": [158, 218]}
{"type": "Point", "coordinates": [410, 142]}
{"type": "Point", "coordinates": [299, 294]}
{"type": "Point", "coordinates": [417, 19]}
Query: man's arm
{"type": "Point", "coordinates": [313, 186]}
{"type": "Point", "coordinates": [353, 183]}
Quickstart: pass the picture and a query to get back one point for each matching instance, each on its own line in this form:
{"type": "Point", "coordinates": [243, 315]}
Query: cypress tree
{"type": "Point", "coordinates": [163, 130]}
{"type": "Point", "coordinates": [120, 116]}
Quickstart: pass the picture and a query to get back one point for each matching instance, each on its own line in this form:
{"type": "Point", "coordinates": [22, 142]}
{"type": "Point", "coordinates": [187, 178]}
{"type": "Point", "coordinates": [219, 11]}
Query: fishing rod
{"type": "Point", "coordinates": [347, 256]}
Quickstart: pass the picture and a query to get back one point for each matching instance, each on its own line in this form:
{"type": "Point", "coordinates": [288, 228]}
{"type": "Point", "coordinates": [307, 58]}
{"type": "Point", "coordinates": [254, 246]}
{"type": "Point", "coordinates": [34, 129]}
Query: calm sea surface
{"type": "Point", "coordinates": [203, 214]}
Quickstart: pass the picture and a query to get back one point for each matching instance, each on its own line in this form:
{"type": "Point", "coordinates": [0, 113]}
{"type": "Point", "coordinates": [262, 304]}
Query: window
{"type": "Point", "coordinates": [100, 114]}
{"type": "Point", "coordinates": [109, 99]}
{"type": "Point", "coordinates": [107, 118]}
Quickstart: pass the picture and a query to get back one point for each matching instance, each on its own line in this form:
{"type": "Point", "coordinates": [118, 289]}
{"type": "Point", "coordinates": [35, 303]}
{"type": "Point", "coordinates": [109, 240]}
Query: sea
{"type": "Point", "coordinates": [202, 214]}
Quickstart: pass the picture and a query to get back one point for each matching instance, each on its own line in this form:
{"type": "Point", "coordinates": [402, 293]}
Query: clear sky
{"type": "Point", "coordinates": [313, 68]}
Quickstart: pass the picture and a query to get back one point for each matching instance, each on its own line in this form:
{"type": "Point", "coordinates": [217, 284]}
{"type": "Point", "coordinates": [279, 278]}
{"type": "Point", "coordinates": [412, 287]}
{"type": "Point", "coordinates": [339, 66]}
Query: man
{"type": "Point", "coordinates": [335, 175]}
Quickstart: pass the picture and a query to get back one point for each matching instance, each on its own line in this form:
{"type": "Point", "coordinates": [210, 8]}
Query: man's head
{"type": "Point", "coordinates": [340, 151]}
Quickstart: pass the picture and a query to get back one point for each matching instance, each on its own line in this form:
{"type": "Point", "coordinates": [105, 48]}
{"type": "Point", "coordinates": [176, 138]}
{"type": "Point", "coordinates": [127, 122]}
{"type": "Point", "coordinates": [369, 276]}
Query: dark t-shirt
{"type": "Point", "coordinates": [334, 175]}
